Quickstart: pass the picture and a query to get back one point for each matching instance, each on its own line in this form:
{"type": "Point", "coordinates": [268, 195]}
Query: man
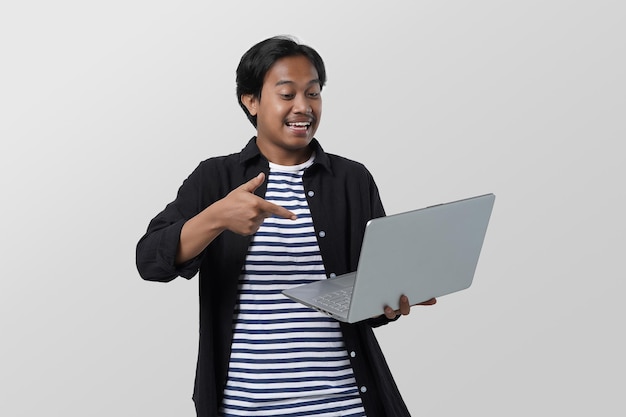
{"type": "Point", "coordinates": [280, 213]}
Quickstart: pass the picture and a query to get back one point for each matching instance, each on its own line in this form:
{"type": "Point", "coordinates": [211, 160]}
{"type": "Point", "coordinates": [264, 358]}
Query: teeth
{"type": "Point", "coordinates": [299, 124]}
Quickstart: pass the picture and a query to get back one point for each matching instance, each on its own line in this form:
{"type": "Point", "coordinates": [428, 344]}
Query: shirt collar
{"type": "Point", "coordinates": [251, 152]}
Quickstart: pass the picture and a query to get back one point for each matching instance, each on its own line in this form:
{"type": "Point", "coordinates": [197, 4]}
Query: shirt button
{"type": "Point", "coordinates": [311, 193]}
{"type": "Point", "coordinates": [363, 388]}
{"type": "Point", "coordinates": [352, 354]}
{"type": "Point", "coordinates": [322, 233]}
{"type": "Point", "coordinates": [332, 275]}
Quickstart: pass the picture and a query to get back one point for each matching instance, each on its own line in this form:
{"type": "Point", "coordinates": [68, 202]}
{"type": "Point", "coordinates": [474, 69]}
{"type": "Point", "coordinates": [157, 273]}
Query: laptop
{"type": "Point", "coordinates": [422, 253]}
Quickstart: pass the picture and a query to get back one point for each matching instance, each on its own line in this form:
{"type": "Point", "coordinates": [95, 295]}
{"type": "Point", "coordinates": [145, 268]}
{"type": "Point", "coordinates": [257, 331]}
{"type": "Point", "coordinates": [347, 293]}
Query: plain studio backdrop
{"type": "Point", "coordinates": [106, 107]}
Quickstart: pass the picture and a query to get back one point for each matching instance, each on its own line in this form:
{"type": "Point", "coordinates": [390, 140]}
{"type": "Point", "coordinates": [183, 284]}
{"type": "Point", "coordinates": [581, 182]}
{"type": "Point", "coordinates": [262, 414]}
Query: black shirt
{"type": "Point", "coordinates": [342, 197]}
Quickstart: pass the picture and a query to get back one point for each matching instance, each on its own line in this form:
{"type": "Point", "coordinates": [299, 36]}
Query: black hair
{"type": "Point", "coordinates": [257, 61]}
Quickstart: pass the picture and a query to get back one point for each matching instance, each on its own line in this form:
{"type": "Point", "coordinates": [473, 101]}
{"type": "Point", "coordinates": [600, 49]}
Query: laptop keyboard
{"type": "Point", "coordinates": [337, 300]}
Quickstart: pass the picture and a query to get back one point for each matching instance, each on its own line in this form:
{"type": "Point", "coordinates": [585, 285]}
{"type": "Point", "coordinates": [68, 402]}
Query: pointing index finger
{"type": "Point", "coordinates": [271, 208]}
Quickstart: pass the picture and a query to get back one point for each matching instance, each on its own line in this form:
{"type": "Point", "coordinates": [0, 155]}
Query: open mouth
{"type": "Point", "coordinates": [299, 126]}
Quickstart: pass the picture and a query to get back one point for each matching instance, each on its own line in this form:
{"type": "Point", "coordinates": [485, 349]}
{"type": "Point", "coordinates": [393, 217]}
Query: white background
{"type": "Point", "coordinates": [105, 108]}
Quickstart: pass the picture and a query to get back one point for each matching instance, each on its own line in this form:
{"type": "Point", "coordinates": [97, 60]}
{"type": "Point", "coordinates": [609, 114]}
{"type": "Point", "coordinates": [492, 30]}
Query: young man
{"type": "Point", "coordinates": [280, 213]}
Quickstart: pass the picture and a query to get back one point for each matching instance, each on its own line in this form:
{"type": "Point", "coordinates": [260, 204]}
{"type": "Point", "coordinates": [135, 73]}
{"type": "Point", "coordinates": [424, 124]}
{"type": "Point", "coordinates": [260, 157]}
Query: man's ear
{"type": "Point", "coordinates": [251, 102]}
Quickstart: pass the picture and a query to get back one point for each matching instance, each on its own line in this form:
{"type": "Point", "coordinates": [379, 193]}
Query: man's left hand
{"type": "Point", "coordinates": [405, 307]}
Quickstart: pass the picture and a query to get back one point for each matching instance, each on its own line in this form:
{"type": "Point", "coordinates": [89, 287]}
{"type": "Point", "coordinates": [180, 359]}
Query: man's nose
{"type": "Point", "coordinates": [301, 104]}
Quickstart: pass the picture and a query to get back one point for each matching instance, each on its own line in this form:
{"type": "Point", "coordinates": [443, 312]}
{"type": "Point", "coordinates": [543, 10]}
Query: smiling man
{"type": "Point", "coordinates": [289, 114]}
{"type": "Point", "coordinates": [280, 213]}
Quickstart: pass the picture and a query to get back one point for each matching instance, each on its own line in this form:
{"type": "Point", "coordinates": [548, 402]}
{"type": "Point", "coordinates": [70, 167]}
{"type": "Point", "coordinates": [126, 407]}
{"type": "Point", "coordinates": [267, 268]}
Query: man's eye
{"type": "Point", "coordinates": [314, 94]}
{"type": "Point", "coordinates": [287, 96]}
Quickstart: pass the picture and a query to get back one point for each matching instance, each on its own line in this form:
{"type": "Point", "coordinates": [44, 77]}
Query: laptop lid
{"type": "Point", "coordinates": [422, 253]}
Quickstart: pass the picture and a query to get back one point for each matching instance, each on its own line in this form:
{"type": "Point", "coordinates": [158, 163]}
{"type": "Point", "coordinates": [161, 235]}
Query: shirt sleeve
{"type": "Point", "coordinates": [380, 320]}
{"type": "Point", "coordinates": [376, 203]}
{"type": "Point", "coordinates": [156, 250]}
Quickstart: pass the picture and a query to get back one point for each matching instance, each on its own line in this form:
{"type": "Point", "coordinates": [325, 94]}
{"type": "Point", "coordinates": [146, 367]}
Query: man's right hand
{"type": "Point", "coordinates": [243, 212]}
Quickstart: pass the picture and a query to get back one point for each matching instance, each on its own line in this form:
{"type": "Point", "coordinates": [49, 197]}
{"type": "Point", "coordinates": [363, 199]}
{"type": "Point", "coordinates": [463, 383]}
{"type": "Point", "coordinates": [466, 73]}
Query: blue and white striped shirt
{"type": "Point", "coordinates": [287, 359]}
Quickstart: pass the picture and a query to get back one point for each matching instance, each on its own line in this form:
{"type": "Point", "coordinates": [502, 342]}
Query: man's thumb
{"type": "Point", "coordinates": [254, 183]}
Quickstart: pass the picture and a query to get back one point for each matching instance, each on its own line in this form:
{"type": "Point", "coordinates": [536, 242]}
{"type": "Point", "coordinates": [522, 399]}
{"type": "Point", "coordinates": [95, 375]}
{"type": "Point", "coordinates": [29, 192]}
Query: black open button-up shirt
{"type": "Point", "coordinates": [342, 197]}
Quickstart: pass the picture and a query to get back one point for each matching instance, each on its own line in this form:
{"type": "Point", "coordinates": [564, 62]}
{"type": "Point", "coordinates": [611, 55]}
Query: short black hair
{"type": "Point", "coordinates": [259, 59]}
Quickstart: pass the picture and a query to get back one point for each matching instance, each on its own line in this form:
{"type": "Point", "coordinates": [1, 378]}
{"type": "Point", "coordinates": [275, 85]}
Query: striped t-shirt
{"type": "Point", "coordinates": [287, 359]}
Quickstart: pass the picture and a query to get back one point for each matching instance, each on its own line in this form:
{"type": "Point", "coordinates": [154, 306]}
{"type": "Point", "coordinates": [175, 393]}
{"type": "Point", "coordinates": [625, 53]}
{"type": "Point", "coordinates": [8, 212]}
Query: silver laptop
{"type": "Point", "coordinates": [422, 253]}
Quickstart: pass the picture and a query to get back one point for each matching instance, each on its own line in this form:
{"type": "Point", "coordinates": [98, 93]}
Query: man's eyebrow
{"type": "Point", "coordinates": [283, 82]}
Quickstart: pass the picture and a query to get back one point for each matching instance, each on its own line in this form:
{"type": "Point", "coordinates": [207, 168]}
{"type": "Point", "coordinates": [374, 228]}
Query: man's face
{"type": "Point", "coordinates": [288, 111]}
